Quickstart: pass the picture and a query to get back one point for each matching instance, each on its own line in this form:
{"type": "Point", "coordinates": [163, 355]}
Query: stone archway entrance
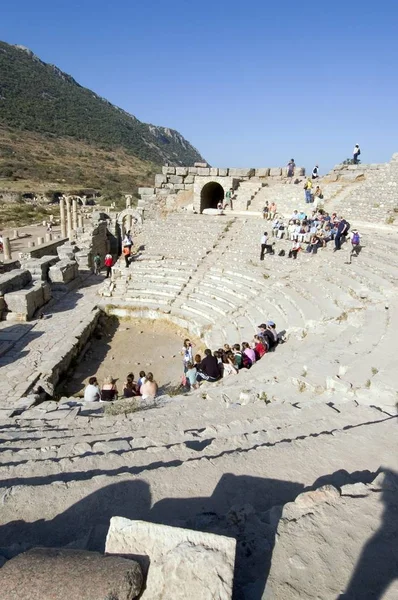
{"type": "Point", "coordinates": [212, 193]}
{"type": "Point", "coordinates": [126, 218]}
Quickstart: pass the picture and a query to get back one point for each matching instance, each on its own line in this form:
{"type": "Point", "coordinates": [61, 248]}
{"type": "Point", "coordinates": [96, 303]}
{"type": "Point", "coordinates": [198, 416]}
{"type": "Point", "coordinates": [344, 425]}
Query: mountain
{"type": "Point", "coordinates": [40, 98]}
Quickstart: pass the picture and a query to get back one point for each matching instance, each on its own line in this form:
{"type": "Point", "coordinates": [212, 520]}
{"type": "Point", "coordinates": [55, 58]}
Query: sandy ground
{"type": "Point", "coordinates": [120, 347]}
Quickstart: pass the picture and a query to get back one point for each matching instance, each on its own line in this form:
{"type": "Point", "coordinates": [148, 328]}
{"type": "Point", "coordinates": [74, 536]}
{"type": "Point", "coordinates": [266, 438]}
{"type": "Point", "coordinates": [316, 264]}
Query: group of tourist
{"type": "Point", "coordinates": [315, 230]}
{"type": "Point", "coordinates": [228, 360]}
{"type": "Point", "coordinates": [145, 387]}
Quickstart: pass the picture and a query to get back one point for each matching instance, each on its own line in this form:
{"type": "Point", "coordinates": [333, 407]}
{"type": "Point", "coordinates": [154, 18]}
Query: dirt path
{"type": "Point", "coordinates": [121, 347]}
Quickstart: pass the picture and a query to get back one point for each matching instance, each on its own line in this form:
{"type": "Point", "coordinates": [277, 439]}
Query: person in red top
{"type": "Point", "coordinates": [108, 264]}
{"type": "Point", "coordinates": [260, 348]}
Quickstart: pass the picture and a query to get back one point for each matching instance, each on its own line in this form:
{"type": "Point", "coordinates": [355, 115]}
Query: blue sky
{"type": "Point", "coordinates": [249, 84]}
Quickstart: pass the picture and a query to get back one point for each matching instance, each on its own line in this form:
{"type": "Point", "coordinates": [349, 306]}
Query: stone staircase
{"type": "Point", "coordinates": [245, 194]}
{"type": "Point", "coordinates": [319, 410]}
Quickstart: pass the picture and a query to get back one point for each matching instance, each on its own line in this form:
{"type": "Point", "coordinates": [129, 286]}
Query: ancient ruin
{"type": "Point", "coordinates": [280, 483]}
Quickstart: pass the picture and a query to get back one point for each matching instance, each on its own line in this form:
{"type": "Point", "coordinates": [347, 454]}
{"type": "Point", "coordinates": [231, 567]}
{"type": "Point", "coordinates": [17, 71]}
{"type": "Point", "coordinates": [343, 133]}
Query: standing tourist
{"type": "Point", "coordinates": [187, 354]}
{"type": "Point", "coordinates": [228, 198]}
{"type": "Point", "coordinates": [355, 243]}
{"type": "Point", "coordinates": [266, 210]}
{"type": "Point", "coordinates": [97, 264]}
{"type": "Point", "coordinates": [126, 254]}
{"type": "Point", "coordinates": [315, 174]}
{"type": "Point", "coordinates": [342, 230]}
{"type": "Point", "coordinates": [291, 165]}
{"type": "Point", "coordinates": [108, 264]}
{"type": "Point", "coordinates": [356, 152]}
{"type": "Point", "coordinates": [308, 188]}
{"type": "Point", "coordinates": [265, 246]}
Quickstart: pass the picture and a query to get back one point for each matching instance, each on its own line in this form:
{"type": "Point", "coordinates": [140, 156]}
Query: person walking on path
{"type": "Point", "coordinates": [97, 264]}
{"type": "Point", "coordinates": [291, 165]}
{"type": "Point", "coordinates": [342, 230]}
{"type": "Point", "coordinates": [265, 246]}
{"type": "Point", "coordinates": [228, 198]}
{"type": "Point", "coordinates": [356, 152]}
{"type": "Point", "coordinates": [108, 264]}
{"type": "Point", "coordinates": [126, 254]}
{"type": "Point", "coordinates": [355, 244]}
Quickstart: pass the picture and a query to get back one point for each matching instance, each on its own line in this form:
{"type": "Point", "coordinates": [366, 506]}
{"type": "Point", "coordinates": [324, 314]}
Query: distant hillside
{"type": "Point", "coordinates": [40, 98]}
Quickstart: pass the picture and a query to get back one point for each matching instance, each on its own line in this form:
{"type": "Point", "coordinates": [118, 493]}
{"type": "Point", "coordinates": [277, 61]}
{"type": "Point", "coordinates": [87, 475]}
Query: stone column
{"type": "Point", "coordinates": [62, 217]}
{"type": "Point", "coordinates": [74, 214]}
{"type": "Point", "coordinates": [128, 220]}
{"type": "Point", "coordinates": [49, 237]}
{"type": "Point", "coordinates": [80, 221]}
{"type": "Point", "coordinates": [128, 201]}
{"type": "Point", "coordinates": [40, 241]}
{"type": "Point", "coordinates": [68, 218]}
{"type": "Point", "coordinates": [7, 248]}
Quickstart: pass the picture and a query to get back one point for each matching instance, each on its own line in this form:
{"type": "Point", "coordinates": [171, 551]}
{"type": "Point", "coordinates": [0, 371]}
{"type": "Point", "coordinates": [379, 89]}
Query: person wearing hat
{"type": "Point", "coordinates": [265, 334]}
{"type": "Point", "coordinates": [272, 328]}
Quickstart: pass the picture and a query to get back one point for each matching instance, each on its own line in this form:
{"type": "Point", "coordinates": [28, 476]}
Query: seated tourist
{"type": "Point", "coordinates": [191, 375]}
{"type": "Point", "coordinates": [238, 358]}
{"type": "Point", "coordinates": [260, 346]}
{"type": "Point", "coordinates": [272, 211]}
{"type": "Point", "coordinates": [141, 380]}
{"type": "Point", "coordinates": [272, 328]}
{"type": "Point", "coordinates": [291, 229]}
{"type": "Point", "coordinates": [92, 392]}
{"type": "Point", "coordinates": [197, 361]}
{"type": "Point", "coordinates": [149, 388]}
{"type": "Point", "coordinates": [266, 335]}
{"type": "Point", "coordinates": [130, 388]}
{"type": "Point", "coordinates": [249, 352]}
{"type": "Point", "coordinates": [227, 348]}
{"type": "Point", "coordinates": [296, 246]}
{"type": "Point", "coordinates": [109, 390]}
{"type": "Point", "coordinates": [209, 369]}
{"type": "Point", "coordinates": [228, 364]}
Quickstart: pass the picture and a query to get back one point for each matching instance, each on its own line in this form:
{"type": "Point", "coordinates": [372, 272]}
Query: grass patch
{"type": "Point", "coordinates": [123, 407]}
{"type": "Point", "coordinates": [368, 383]}
{"type": "Point", "coordinates": [390, 220]}
{"type": "Point", "coordinates": [342, 317]}
{"type": "Point", "coordinates": [265, 275]}
{"type": "Point", "coordinates": [263, 397]}
{"type": "Point", "coordinates": [374, 371]}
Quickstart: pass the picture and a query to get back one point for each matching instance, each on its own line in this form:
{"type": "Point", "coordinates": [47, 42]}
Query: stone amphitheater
{"type": "Point", "coordinates": [295, 460]}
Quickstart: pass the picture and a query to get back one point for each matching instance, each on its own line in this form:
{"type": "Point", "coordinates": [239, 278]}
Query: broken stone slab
{"type": "Point", "coordinates": [64, 271]}
{"type": "Point", "coordinates": [59, 573]}
{"type": "Point", "coordinates": [338, 545]}
{"type": "Point", "coordinates": [24, 303]}
{"type": "Point", "coordinates": [223, 172]}
{"type": "Point", "coordinates": [202, 165]}
{"type": "Point", "coordinates": [146, 191]}
{"type": "Point", "coordinates": [213, 172]}
{"type": "Point", "coordinates": [183, 563]}
{"type": "Point", "coordinates": [241, 172]}
{"type": "Point", "coordinates": [39, 267]}
{"type": "Point", "coordinates": [14, 281]}
{"type": "Point", "coordinates": [203, 171]}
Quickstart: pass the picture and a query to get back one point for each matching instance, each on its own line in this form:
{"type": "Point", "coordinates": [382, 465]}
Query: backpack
{"type": "Point", "coordinates": [246, 362]}
{"type": "Point", "coordinates": [359, 151]}
{"type": "Point", "coordinates": [281, 253]}
{"type": "Point", "coordinates": [355, 238]}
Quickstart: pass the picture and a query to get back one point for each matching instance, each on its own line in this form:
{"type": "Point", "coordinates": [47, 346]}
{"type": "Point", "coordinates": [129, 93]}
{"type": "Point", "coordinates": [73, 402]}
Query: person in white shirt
{"type": "Point", "coordinates": [315, 174]}
{"type": "Point", "coordinates": [92, 392]}
{"type": "Point", "coordinates": [265, 246]}
{"type": "Point", "coordinates": [355, 153]}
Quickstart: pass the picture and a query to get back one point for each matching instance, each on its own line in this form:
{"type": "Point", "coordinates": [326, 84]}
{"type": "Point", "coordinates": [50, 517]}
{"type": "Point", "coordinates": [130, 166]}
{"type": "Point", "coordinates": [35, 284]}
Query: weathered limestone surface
{"type": "Point", "coordinates": [262, 172]}
{"type": "Point", "coordinates": [183, 563]}
{"type": "Point", "coordinates": [24, 303]}
{"type": "Point", "coordinates": [338, 545]}
{"type": "Point", "coordinates": [64, 271]}
{"type": "Point", "coordinates": [39, 267]}
{"type": "Point", "coordinates": [14, 280]}
{"type": "Point", "coordinates": [57, 574]}
{"type": "Point", "coordinates": [241, 172]}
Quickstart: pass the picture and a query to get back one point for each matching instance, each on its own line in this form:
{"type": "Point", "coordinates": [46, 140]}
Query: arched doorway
{"type": "Point", "coordinates": [212, 193]}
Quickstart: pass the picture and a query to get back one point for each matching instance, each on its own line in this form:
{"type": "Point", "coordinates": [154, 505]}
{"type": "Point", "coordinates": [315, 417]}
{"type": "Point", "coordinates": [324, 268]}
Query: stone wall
{"type": "Point", "coordinates": [174, 180]}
